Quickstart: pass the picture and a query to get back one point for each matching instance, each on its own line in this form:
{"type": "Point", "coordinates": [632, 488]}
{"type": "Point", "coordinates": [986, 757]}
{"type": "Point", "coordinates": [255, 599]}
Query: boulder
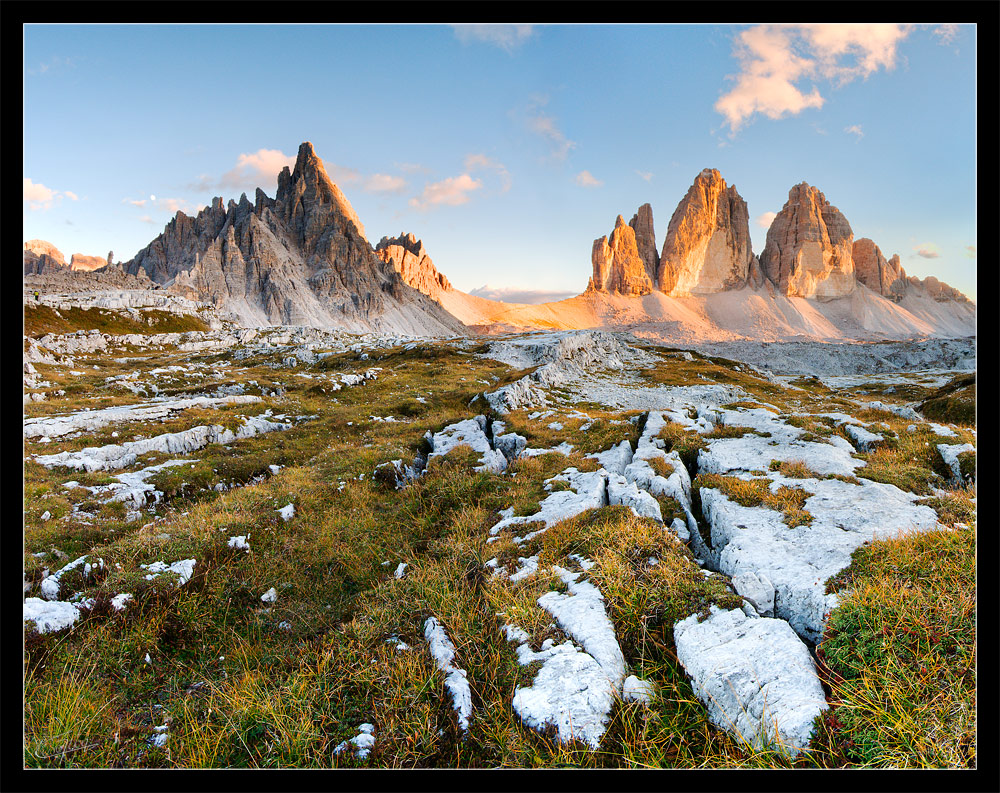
{"type": "Point", "coordinates": [755, 677]}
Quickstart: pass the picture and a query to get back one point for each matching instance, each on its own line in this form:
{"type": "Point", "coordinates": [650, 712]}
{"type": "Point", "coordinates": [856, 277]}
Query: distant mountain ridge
{"type": "Point", "coordinates": [302, 258]}
{"type": "Point", "coordinates": [812, 280]}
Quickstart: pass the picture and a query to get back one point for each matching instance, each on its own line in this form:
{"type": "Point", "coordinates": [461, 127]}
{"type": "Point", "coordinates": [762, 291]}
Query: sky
{"type": "Point", "coordinates": [506, 148]}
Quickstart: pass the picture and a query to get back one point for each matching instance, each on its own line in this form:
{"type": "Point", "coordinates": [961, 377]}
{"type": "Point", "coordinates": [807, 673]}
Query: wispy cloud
{"type": "Point", "coordinates": [448, 192]}
{"type": "Point", "coordinates": [927, 250]}
{"type": "Point", "coordinates": [776, 61]}
{"type": "Point", "coordinates": [855, 129]}
{"type": "Point", "coordinates": [170, 205]}
{"type": "Point", "coordinates": [480, 162]}
{"type": "Point", "coordinates": [646, 176]}
{"type": "Point", "coordinates": [412, 167]}
{"type": "Point", "coordinates": [71, 195]}
{"type": "Point", "coordinates": [52, 64]}
{"type": "Point", "coordinates": [513, 294]}
{"type": "Point", "coordinates": [384, 183]}
{"type": "Point", "coordinates": [507, 37]}
{"type": "Point", "coordinates": [261, 169]}
{"type": "Point", "coordinates": [38, 196]}
{"type": "Point", "coordinates": [173, 205]}
{"type": "Point", "coordinates": [545, 125]}
{"type": "Point", "coordinates": [946, 33]}
{"type": "Point", "coordinates": [586, 179]}
{"type": "Point", "coordinates": [970, 251]}
{"type": "Point", "coordinates": [146, 219]}
{"type": "Point", "coordinates": [765, 220]}
{"type": "Point", "coordinates": [252, 170]}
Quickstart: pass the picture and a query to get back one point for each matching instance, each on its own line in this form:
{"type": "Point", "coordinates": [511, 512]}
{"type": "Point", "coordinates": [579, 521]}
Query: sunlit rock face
{"type": "Point", "coordinates": [43, 247]}
{"type": "Point", "coordinates": [707, 247]}
{"type": "Point", "coordinates": [87, 263]}
{"type": "Point", "coordinates": [409, 257]}
{"type": "Point", "coordinates": [873, 270]}
{"type": "Point", "coordinates": [645, 240]}
{"type": "Point", "coordinates": [809, 249]}
{"type": "Point", "coordinates": [618, 267]}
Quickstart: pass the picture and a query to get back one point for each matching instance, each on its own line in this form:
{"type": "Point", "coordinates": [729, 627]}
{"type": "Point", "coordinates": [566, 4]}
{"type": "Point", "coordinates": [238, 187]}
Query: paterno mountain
{"type": "Point", "coordinates": [298, 259]}
{"type": "Point", "coordinates": [302, 258]}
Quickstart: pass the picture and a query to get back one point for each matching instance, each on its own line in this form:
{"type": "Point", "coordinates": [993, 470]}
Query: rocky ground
{"type": "Point", "coordinates": [817, 358]}
{"type": "Point", "coordinates": [296, 547]}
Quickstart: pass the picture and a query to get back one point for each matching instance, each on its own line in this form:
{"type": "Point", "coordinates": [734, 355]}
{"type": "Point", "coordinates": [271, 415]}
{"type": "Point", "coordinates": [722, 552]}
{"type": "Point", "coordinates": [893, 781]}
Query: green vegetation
{"type": "Point", "coordinates": [954, 402]}
{"type": "Point", "coordinates": [248, 684]}
{"type": "Point", "coordinates": [675, 370]}
{"type": "Point", "coordinates": [899, 655]}
{"type": "Point", "coordinates": [39, 320]}
{"type": "Point", "coordinates": [757, 493]}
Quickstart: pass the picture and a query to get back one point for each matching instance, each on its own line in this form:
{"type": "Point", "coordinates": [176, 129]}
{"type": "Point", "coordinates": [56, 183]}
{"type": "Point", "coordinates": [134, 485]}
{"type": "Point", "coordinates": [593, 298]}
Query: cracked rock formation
{"type": "Point", "coordinates": [809, 248]}
{"type": "Point", "coordinates": [300, 258]}
{"type": "Point", "coordinates": [936, 289]}
{"type": "Point", "coordinates": [871, 268]}
{"type": "Point", "coordinates": [618, 267]}
{"type": "Point", "coordinates": [645, 240]}
{"type": "Point", "coordinates": [86, 263]}
{"type": "Point", "coordinates": [707, 247]}
{"type": "Point", "coordinates": [44, 248]}
{"type": "Point", "coordinates": [409, 257]}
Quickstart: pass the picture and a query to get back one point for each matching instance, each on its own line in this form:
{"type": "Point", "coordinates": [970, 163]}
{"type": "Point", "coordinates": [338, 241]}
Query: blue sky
{"type": "Point", "coordinates": [507, 149]}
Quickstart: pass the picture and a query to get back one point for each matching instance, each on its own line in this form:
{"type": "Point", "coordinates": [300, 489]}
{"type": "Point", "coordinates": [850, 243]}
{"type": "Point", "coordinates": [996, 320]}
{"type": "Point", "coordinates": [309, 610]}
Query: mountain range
{"type": "Point", "coordinates": [302, 258]}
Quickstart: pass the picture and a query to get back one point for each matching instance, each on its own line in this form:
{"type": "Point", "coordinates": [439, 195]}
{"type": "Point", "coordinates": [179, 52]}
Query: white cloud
{"type": "Point", "coordinates": [480, 162]}
{"type": "Point", "coordinates": [645, 175]}
{"type": "Point", "coordinates": [261, 169]}
{"type": "Point", "coordinates": [136, 203]}
{"type": "Point", "coordinates": [855, 129]}
{"type": "Point", "coordinates": [38, 196]}
{"type": "Point", "coordinates": [450, 192]}
{"type": "Point", "coordinates": [507, 37]}
{"type": "Point", "coordinates": [586, 179]}
{"type": "Point", "coordinates": [384, 183]}
{"type": "Point", "coordinates": [776, 60]}
{"type": "Point", "coordinates": [765, 220]}
{"type": "Point", "coordinates": [927, 250]}
{"type": "Point", "coordinates": [146, 219]}
{"type": "Point", "coordinates": [970, 251]}
{"type": "Point", "coordinates": [513, 294]}
{"type": "Point", "coordinates": [255, 169]}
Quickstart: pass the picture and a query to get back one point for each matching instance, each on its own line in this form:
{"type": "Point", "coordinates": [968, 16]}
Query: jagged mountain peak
{"type": "Point", "coordinates": [301, 258]}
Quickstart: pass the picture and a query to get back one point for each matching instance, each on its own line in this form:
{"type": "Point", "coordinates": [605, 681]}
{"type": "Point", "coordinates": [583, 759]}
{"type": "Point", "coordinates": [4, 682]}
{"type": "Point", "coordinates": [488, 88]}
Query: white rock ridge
{"type": "Point", "coordinates": [112, 456]}
{"type": "Point", "coordinates": [754, 675]}
{"type": "Point", "coordinates": [456, 679]}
